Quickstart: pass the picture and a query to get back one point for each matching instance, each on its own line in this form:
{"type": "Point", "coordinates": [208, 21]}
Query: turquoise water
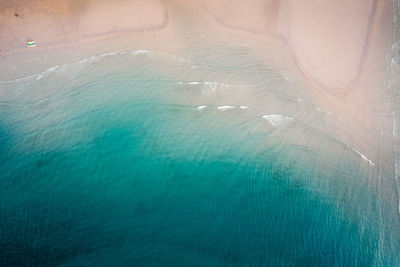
{"type": "Point", "coordinates": [116, 166]}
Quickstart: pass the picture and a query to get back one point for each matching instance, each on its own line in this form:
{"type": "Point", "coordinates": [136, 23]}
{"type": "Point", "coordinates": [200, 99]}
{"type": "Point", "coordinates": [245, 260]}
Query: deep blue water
{"type": "Point", "coordinates": [119, 168]}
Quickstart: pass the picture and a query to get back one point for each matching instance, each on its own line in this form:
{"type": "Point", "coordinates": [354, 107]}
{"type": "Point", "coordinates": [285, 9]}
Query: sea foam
{"type": "Point", "coordinates": [277, 120]}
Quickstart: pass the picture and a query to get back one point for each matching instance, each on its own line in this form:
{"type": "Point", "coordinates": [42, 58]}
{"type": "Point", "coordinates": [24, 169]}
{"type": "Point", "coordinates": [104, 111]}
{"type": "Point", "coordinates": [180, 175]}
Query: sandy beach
{"type": "Point", "coordinates": [341, 50]}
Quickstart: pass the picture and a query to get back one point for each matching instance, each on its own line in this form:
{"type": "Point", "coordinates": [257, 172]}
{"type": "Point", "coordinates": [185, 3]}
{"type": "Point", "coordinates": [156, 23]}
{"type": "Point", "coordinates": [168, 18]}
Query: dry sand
{"type": "Point", "coordinates": [64, 22]}
{"type": "Point", "coordinates": [340, 47]}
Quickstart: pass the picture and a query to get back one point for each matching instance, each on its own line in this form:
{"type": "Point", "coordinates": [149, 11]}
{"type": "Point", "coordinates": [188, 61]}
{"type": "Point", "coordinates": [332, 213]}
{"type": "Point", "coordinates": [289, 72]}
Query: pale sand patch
{"type": "Point", "coordinates": [253, 15]}
{"type": "Point", "coordinates": [329, 39]}
{"type": "Point", "coordinates": [102, 18]}
{"type": "Point", "coordinates": [363, 107]}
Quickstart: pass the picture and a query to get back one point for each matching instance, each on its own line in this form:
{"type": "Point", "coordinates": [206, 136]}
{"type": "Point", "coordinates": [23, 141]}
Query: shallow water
{"type": "Point", "coordinates": [145, 158]}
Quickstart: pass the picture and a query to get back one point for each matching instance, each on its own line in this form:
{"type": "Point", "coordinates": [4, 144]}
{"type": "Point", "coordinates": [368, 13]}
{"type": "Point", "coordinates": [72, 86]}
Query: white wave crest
{"type": "Point", "coordinates": [370, 162]}
{"type": "Point", "coordinates": [140, 52]}
{"type": "Point", "coordinates": [277, 120]}
{"type": "Point", "coordinates": [95, 58]}
{"type": "Point", "coordinates": [222, 108]}
{"type": "Point", "coordinates": [47, 72]}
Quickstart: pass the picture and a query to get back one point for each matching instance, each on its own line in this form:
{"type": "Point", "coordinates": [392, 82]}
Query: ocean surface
{"type": "Point", "coordinates": [145, 158]}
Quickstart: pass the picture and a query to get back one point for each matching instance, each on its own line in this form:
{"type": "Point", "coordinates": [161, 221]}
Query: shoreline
{"type": "Point", "coordinates": [351, 107]}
